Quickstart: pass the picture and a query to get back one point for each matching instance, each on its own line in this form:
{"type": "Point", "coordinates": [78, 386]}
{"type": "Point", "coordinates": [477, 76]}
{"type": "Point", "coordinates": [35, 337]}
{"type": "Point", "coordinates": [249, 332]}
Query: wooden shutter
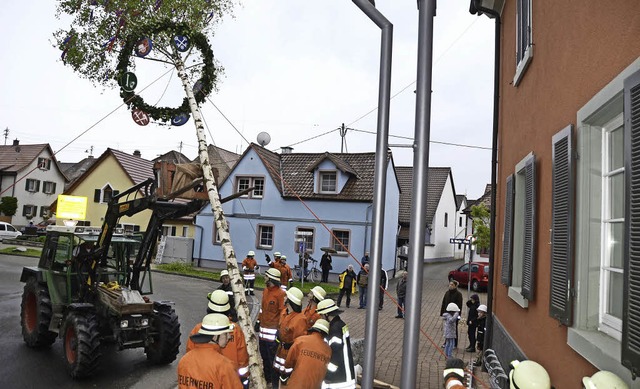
{"type": "Point", "coordinates": [37, 186]}
{"type": "Point", "coordinates": [507, 237]}
{"type": "Point", "coordinates": [96, 195]}
{"type": "Point", "coordinates": [115, 193]}
{"type": "Point", "coordinates": [631, 309]}
{"type": "Point", "coordinates": [529, 243]}
{"type": "Point", "coordinates": [562, 227]}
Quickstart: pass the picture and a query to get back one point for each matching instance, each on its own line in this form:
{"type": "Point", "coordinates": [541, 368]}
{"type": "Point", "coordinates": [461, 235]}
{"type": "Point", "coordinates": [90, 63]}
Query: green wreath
{"type": "Point", "coordinates": [197, 39]}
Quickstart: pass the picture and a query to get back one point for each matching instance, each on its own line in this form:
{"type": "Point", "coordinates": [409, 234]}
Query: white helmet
{"type": "Point", "coordinates": [219, 301]}
{"type": "Point", "coordinates": [321, 325]}
{"type": "Point", "coordinates": [604, 379]}
{"type": "Point", "coordinates": [319, 292]}
{"type": "Point", "coordinates": [215, 324]}
{"type": "Point", "coordinates": [283, 257]}
{"type": "Point", "coordinates": [276, 254]}
{"type": "Point", "coordinates": [528, 375]}
{"type": "Point", "coordinates": [325, 306]}
{"type": "Point", "coordinates": [452, 307]}
{"type": "Point", "coordinates": [273, 274]}
{"type": "Point", "coordinates": [482, 308]}
{"type": "Point", "coordinates": [251, 254]}
{"type": "Point", "coordinates": [295, 295]}
{"type": "Point", "coordinates": [224, 273]}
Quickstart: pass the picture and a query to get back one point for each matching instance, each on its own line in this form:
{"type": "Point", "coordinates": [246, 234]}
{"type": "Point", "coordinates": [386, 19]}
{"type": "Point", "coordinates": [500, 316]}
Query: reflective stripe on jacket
{"type": "Point", "coordinates": [270, 311]}
{"type": "Point", "coordinates": [308, 358]}
{"type": "Point", "coordinates": [292, 325]}
{"type": "Point", "coordinates": [341, 372]}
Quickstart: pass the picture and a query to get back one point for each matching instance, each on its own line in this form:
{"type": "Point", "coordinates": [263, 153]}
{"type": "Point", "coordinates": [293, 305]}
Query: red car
{"type": "Point", "coordinates": [479, 275]}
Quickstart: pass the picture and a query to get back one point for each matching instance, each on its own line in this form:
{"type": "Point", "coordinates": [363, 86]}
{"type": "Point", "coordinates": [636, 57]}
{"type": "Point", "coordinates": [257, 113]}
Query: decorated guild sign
{"type": "Point", "coordinates": [128, 81]}
{"type": "Point", "coordinates": [181, 42]}
{"type": "Point", "coordinates": [180, 119]}
{"type": "Point", "coordinates": [143, 47]}
{"type": "Point", "coordinates": [140, 117]}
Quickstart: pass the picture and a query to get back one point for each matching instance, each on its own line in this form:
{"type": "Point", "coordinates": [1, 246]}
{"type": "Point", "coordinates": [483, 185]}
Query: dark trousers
{"type": "Point", "coordinates": [381, 298]}
{"type": "Point", "coordinates": [401, 305]}
{"type": "Point", "coordinates": [471, 331]}
{"type": "Point", "coordinates": [248, 284]}
{"type": "Point", "coordinates": [268, 354]}
{"type": "Point", "coordinates": [325, 275]}
{"type": "Point", "coordinates": [363, 296]}
{"type": "Point", "coordinates": [346, 291]}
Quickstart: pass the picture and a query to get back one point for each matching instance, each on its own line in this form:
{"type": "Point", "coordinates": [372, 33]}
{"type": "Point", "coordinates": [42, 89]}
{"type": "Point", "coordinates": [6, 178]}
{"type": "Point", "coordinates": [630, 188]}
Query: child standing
{"type": "Point", "coordinates": [450, 318]}
{"type": "Point", "coordinates": [481, 323]}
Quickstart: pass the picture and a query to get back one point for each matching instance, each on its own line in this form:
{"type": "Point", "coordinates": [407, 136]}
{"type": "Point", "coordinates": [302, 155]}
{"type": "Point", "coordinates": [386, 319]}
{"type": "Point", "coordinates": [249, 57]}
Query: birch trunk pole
{"type": "Point", "coordinates": [257, 379]}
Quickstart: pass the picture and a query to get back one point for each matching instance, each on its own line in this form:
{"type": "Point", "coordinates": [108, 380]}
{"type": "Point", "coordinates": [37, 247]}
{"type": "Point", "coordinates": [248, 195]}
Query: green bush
{"type": "Point", "coordinates": [8, 205]}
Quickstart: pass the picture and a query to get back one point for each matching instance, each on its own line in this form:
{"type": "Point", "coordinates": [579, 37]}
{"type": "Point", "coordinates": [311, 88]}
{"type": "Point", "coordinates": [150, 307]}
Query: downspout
{"type": "Point", "coordinates": [488, 340]}
{"type": "Point", "coordinates": [199, 228]}
{"type": "Point", "coordinates": [366, 228]}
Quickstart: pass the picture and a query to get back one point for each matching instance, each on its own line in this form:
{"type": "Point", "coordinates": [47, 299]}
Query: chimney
{"type": "Point", "coordinates": [136, 153]}
{"type": "Point", "coordinates": [286, 150]}
{"type": "Point", "coordinates": [16, 142]}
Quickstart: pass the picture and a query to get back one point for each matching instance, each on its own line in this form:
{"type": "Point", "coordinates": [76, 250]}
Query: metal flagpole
{"type": "Point", "coordinates": [426, 11]}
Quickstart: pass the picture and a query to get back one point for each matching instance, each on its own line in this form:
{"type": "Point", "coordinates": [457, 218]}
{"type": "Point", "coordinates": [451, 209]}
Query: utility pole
{"type": "Point", "coordinates": [343, 134]}
{"type": "Point", "coordinates": [90, 151]}
{"type": "Point", "coordinates": [180, 147]}
{"type": "Point", "coordinates": [6, 135]}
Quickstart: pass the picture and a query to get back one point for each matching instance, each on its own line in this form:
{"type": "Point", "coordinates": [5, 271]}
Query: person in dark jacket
{"type": "Point", "coordinates": [452, 295]}
{"type": "Point", "coordinates": [325, 265]}
{"type": "Point", "coordinates": [363, 282]}
{"type": "Point", "coordinates": [384, 285]}
{"type": "Point", "coordinates": [341, 371]}
{"type": "Point", "coordinates": [401, 292]}
{"type": "Point", "coordinates": [347, 284]}
{"type": "Point", "coordinates": [472, 321]}
{"type": "Point", "coordinates": [481, 324]}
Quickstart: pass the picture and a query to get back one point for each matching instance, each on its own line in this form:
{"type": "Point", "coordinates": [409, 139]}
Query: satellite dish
{"type": "Point", "coordinates": [264, 138]}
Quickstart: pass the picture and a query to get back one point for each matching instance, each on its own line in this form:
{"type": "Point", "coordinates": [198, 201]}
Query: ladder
{"type": "Point", "coordinates": [160, 252]}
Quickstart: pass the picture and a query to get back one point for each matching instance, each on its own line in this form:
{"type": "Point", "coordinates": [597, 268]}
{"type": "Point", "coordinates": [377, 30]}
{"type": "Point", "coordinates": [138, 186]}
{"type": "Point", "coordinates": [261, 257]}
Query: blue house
{"type": "Point", "coordinates": [324, 200]}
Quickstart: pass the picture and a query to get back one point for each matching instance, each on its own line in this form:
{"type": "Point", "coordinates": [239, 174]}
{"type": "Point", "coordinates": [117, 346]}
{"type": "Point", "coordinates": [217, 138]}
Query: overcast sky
{"type": "Point", "coordinates": [295, 69]}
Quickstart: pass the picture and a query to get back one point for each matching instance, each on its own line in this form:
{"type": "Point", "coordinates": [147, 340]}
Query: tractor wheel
{"type": "Point", "coordinates": [475, 285]}
{"type": "Point", "coordinates": [35, 315]}
{"type": "Point", "coordinates": [165, 343]}
{"type": "Point", "coordinates": [81, 344]}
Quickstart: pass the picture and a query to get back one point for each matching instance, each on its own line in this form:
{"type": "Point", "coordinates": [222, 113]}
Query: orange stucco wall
{"type": "Point", "coordinates": [579, 46]}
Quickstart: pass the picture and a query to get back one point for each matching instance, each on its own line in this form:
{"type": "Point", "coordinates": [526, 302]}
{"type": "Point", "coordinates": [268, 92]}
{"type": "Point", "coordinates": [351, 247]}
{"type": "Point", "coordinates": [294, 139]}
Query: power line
{"type": "Point", "coordinates": [431, 141]}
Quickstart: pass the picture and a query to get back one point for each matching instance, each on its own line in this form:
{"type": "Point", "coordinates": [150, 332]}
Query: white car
{"type": "Point", "coordinates": [8, 231]}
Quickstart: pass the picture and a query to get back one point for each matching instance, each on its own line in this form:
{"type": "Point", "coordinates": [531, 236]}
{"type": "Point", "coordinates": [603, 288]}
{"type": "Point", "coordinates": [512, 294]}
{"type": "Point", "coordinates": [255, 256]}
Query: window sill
{"type": "Point", "coordinates": [514, 294]}
{"type": "Point", "coordinates": [523, 65]}
{"type": "Point", "coordinates": [599, 349]}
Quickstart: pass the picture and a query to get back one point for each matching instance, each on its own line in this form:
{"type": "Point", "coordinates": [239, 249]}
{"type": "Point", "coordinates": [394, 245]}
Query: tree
{"type": "Point", "coordinates": [99, 46]}
{"type": "Point", "coordinates": [8, 205]}
{"type": "Point", "coordinates": [480, 215]}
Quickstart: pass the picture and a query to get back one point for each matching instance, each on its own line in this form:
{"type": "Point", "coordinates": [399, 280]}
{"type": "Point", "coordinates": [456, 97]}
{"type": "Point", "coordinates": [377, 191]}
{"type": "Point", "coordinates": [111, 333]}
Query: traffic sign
{"type": "Point", "coordinates": [458, 241]}
{"type": "Point", "coordinates": [304, 233]}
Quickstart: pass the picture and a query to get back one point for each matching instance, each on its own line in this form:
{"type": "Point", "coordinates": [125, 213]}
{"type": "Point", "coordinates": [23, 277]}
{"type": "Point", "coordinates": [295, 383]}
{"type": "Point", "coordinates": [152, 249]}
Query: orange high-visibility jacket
{"type": "Point", "coordinates": [308, 357]}
{"type": "Point", "coordinates": [236, 349]}
{"type": "Point", "coordinates": [271, 308]}
{"type": "Point", "coordinates": [249, 263]}
{"type": "Point", "coordinates": [285, 274]}
{"type": "Point", "coordinates": [292, 325]}
{"type": "Point", "coordinates": [311, 314]}
{"type": "Point", "coordinates": [205, 367]}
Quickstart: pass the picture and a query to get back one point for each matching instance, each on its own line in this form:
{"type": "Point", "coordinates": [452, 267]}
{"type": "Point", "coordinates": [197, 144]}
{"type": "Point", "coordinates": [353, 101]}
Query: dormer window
{"type": "Point", "coordinates": [244, 183]}
{"type": "Point", "coordinates": [328, 181]}
{"type": "Point", "coordinates": [105, 194]}
{"type": "Point", "coordinates": [44, 163]}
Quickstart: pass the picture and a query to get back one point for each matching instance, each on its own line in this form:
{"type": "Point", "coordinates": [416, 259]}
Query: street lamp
{"type": "Point", "coordinates": [491, 8]}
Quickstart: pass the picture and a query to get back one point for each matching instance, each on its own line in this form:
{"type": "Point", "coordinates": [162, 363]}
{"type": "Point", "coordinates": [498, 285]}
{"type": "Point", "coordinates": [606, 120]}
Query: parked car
{"type": "Point", "coordinates": [8, 231]}
{"type": "Point", "coordinates": [475, 273]}
{"type": "Point", "coordinates": [39, 229]}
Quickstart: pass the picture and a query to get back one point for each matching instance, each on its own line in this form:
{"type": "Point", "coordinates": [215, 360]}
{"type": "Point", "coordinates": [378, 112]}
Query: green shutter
{"type": "Point", "coordinates": [96, 195]}
{"type": "Point", "coordinates": [560, 306]}
{"type": "Point", "coordinates": [529, 243]}
{"type": "Point", "coordinates": [507, 236]}
{"type": "Point", "coordinates": [630, 344]}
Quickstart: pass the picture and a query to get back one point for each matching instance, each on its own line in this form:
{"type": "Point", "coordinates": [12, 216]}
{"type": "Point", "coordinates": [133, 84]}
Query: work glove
{"type": "Point", "coordinates": [267, 257]}
{"type": "Point", "coordinates": [454, 370]}
{"type": "Point", "coordinates": [256, 326]}
{"type": "Point", "coordinates": [290, 283]}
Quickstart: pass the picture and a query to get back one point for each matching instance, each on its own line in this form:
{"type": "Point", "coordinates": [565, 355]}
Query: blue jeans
{"type": "Point", "coordinates": [400, 306]}
{"type": "Point", "coordinates": [449, 343]}
{"type": "Point", "coordinates": [363, 296]}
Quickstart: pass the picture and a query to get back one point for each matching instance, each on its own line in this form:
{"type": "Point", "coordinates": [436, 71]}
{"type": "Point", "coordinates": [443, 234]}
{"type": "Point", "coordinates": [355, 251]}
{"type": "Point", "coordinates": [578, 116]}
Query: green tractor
{"type": "Point", "coordinates": [91, 285]}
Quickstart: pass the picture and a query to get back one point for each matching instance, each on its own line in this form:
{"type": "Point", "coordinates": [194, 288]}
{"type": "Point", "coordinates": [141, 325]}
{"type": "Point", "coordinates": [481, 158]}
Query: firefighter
{"type": "Point", "coordinates": [276, 261]}
{"type": "Point", "coordinates": [249, 266]}
{"type": "Point", "coordinates": [236, 350]}
{"type": "Point", "coordinates": [292, 325]}
{"type": "Point", "coordinates": [316, 295]}
{"type": "Point", "coordinates": [604, 379]}
{"type": "Point", "coordinates": [528, 375]}
{"type": "Point", "coordinates": [268, 321]}
{"type": "Point", "coordinates": [286, 276]}
{"type": "Point", "coordinates": [204, 366]}
{"type": "Point", "coordinates": [308, 359]}
{"type": "Point", "coordinates": [225, 279]}
{"type": "Point", "coordinates": [341, 371]}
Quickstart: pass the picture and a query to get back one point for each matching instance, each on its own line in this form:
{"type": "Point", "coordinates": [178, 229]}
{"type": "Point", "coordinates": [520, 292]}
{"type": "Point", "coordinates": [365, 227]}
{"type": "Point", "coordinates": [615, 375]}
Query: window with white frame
{"type": "Point", "coordinates": [265, 236]}
{"type": "Point", "coordinates": [185, 231]}
{"type": "Point", "coordinates": [340, 241]}
{"type": "Point", "coordinates": [328, 181]}
{"type": "Point", "coordinates": [29, 211]}
{"type": "Point", "coordinates": [104, 194]}
{"type": "Point", "coordinates": [168, 230]}
{"type": "Point", "coordinates": [524, 45]}
{"type": "Point", "coordinates": [605, 213]}
{"type": "Point", "coordinates": [45, 212]}
{"type": "Point", "coordinates": [244, 183]}
{"type": "Point", "coordinates": [216, 235]}
{"type": "Point", "coordinates": [48, 187]}
{"type": "Point", "coordinates": [32, 185]}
